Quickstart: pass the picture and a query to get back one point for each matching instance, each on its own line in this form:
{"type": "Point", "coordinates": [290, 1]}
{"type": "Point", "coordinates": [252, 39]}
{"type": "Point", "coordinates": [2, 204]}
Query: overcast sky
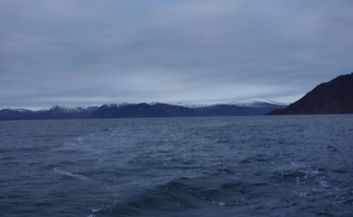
{"type": "Point", "coordinates": [89, 52]}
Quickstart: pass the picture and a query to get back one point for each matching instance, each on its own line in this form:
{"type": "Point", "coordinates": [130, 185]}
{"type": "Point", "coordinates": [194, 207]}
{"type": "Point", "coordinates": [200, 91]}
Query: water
{"type": "Point", "coordinates": [210, 167]}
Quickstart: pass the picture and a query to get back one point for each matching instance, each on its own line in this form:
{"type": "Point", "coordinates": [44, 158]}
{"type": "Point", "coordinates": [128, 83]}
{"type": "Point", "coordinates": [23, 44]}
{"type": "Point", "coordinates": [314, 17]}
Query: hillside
{"type": "Point", "coordinates": [333, 97]}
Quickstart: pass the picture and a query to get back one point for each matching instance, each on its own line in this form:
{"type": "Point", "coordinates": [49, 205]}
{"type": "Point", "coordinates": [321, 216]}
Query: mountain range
{"type": "Point", "coordinates": [333, 97]}
{"type": "Point", "coordinates": [139, 110]}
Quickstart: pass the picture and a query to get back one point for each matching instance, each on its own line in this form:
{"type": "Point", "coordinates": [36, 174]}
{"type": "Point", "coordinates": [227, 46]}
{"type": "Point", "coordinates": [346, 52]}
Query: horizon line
{"type": "Point", "coordinates": [184, 104]}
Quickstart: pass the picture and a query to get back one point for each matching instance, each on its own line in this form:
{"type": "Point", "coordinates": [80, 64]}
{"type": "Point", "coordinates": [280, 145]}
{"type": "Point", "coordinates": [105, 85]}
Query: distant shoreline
{"type": "Point", "coordinates": [141, 110]}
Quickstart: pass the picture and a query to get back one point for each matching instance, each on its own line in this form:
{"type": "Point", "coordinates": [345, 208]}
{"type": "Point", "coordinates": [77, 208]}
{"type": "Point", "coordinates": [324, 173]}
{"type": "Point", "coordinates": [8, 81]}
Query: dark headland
{"type": "Point", "coordinates": [333, 97]}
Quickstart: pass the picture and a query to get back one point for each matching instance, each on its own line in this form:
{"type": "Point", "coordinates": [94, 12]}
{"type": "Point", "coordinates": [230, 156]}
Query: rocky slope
{"type": "Point", "coordinates": [333, 97]}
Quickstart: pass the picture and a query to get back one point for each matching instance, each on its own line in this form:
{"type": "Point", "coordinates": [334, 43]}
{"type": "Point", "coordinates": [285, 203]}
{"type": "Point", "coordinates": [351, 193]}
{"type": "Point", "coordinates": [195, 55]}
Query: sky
{"type": "Point", "coordinates": [90, 52]}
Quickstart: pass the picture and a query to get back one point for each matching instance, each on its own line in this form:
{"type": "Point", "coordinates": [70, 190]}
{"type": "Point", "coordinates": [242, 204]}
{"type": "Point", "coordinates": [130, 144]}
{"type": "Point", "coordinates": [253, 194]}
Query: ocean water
{"type": "Point", "coordinates": [178, 167]}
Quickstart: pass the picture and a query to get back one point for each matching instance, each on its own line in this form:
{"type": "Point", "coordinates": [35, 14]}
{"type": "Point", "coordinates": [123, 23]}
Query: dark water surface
{"type": "Point", "coordinates": [209, 167]}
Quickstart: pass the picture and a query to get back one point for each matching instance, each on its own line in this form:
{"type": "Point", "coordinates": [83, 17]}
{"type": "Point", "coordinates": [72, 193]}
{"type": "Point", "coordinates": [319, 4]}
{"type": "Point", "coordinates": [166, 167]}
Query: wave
{"type": "Point", "coordinates": [183, 194]}
{"type": "Point", "coordinates": [69, 174]}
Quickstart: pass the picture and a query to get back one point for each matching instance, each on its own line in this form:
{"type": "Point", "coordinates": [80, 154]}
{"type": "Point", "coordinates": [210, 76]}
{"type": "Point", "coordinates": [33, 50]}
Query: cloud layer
{"type": "Point", "coordinates": [76, 52]}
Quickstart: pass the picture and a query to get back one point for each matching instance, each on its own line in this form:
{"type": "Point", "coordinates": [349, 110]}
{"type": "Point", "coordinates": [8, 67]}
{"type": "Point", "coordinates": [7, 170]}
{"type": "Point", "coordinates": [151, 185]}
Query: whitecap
{"type": "Point", "coordinates": [96, 210]}
{"type": "Point", "coordinates": [221, 203]}
{"type": "Point", "coordinates": [324, 183]}
{"type": "Point", "coordinates": [69, 174]}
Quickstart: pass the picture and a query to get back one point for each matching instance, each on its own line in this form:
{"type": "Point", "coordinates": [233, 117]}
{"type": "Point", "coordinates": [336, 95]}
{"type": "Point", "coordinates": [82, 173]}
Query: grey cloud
{"type": "Point", "coordinates": [79, 52]}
